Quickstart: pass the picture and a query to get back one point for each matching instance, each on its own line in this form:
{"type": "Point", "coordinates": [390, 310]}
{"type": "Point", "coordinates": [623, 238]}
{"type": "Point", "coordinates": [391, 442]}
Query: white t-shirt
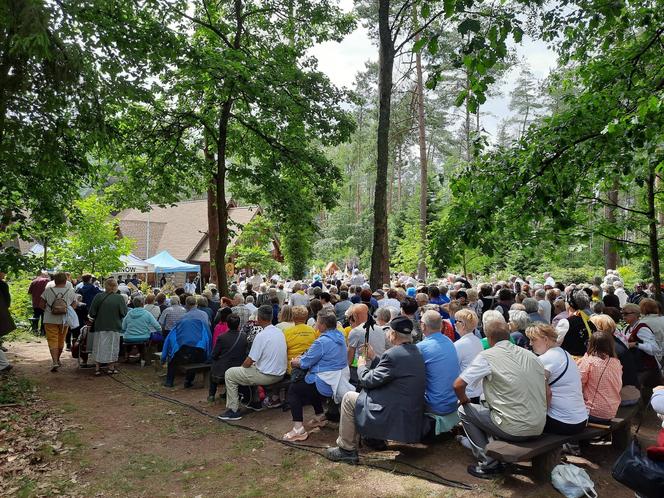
{"type": "Point", "coordinates": [389, 302]}
{"type": "Point", "coordinates": [50, 294]}
{"type": "Point", "coordinates": [377, 339]}
{"type": "Point", "coordinates": [550, 281]}
{"type": "Point", "coordinates": [567, 403]}
{"type": "Point", "coordinates": [269, 351]}
{"type": "Point", "coordinates": [467, 348]}
{"type": "Point", "coordinates": [298, 299]}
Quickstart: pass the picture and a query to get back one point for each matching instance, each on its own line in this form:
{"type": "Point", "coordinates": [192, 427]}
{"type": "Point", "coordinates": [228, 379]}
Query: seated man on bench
{"type": "Point", "coordinates": [442, 368]}
{"type": "Point", "coordinates": [265, 364]}
{"type": "Point", "coordinates": [391, 404]}
{"type": "Point", "coordinates": [189, 341]}
{"type": "Point", "coordinates": [515, 390]}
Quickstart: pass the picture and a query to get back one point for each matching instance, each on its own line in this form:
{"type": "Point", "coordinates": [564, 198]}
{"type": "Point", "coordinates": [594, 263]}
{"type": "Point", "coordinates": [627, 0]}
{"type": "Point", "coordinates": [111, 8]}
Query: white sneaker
{"type": "Point", "coordinates": [465, 442]}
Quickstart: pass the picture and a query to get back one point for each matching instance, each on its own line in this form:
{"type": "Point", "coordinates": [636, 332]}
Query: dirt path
{"type": "Point", "coordinates": [131, 444]}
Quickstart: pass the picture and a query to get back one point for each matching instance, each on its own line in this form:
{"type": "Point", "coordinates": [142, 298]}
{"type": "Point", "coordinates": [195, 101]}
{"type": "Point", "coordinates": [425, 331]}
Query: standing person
{"type": "Point", "coordinates": [88, 290]}
{"type": "Point", "coordinates": [6, 321]}
{"type": "Point", "coordinates": [36, 289]}
{"type": "Point", "coordinates": [107, 311]}
{"type": "Point", "coordinates": [54, 301]}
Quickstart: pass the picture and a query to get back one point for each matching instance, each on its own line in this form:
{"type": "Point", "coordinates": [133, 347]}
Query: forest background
{"type": "Point", "coordinates": [113, 104]}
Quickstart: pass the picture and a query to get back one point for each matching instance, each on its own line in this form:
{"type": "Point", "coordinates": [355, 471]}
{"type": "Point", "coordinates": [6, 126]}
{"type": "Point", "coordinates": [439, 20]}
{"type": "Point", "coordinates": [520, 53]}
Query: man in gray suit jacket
{"type": "Point", "coordinates": [391, 404]}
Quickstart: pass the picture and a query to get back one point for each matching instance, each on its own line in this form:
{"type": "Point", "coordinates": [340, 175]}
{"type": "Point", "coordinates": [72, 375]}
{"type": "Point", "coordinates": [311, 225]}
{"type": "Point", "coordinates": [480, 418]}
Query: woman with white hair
{"type": "Point", "coordinates": [107, 311]}
{"type": "Point", "coordinates": [519, 322]}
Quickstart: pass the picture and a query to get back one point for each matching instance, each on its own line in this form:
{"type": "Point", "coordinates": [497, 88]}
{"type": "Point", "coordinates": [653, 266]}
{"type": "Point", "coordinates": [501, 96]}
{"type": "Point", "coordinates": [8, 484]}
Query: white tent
{"type": "Point", "coordinates": [134, 264]}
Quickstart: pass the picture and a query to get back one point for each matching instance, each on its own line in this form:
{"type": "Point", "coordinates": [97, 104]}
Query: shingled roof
{"type": "Point", "coordinates": [180, 229]}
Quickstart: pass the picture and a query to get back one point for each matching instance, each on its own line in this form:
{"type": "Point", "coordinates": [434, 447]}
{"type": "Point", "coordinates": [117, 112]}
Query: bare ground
{"type": "Point", "coordinates": [121, 442]}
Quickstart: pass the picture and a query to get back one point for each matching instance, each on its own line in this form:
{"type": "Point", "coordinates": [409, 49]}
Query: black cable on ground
{"type": "Point", "coordinates": [428, 474]}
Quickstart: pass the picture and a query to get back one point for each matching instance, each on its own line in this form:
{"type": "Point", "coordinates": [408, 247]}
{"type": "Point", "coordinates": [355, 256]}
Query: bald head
{"type": "Point", "coordinates": [360, 313]}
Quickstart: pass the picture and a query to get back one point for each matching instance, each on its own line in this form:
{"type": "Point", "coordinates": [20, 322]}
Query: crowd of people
{"type": "Point", "coordinates": [507, 359]}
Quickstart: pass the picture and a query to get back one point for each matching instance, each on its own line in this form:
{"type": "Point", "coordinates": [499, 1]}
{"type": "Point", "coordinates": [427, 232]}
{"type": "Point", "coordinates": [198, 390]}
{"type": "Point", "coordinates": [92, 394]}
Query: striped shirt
{"type": "Point", "coordinates": [171, 316]}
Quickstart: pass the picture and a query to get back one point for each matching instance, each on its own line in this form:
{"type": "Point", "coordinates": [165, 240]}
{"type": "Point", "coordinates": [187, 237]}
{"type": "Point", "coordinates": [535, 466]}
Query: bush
{"type": "Point", "coordinates": [21, 308]}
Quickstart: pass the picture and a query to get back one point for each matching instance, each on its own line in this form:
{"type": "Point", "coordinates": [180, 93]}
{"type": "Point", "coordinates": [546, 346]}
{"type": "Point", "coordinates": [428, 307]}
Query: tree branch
{"type": "Point", "coordinates": [624, 241]}
{"type": "Point", "coordinates": [611, 204]}
{"type": "Point", "coordinates": [410, 37]}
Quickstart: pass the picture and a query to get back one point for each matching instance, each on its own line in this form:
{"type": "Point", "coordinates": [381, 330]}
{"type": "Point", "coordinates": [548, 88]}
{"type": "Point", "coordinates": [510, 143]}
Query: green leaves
{"type": "Point", "coordinates": [469, 25]}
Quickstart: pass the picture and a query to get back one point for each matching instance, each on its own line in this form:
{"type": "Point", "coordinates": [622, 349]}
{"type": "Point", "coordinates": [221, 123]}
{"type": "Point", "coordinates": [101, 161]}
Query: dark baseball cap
{"type": "Point", "coordinates": [402, 325]}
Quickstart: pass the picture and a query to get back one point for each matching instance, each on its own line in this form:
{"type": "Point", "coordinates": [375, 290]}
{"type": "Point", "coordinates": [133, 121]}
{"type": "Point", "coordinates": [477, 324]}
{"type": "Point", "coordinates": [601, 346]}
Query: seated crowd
{"type": "Point", "coordinates": [509, 360]}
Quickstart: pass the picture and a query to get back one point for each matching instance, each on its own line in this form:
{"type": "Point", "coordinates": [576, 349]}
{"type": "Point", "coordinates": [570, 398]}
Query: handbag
{"type": "Point", "coordinates": [572, 481]}
{"type": "Point", "coordinates": [298, 374]}
{"type": "Point", "coordinates": [638, 472]}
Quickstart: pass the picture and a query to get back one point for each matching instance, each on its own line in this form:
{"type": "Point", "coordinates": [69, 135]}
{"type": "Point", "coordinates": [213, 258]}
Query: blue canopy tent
{"type": "Point", "coordinates": [165, 263]}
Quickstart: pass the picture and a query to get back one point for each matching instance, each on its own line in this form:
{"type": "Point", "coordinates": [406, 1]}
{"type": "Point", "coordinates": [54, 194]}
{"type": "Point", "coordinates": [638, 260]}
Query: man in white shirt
{"type": "Point", "coordinates": [298, 298]}
{"type": "Point", "coordinates": [544, 305]}
{"type": "Point", "coordinates": [620, 292]}
{"type": "Point", "coordinates": [359, 314]}
{"type": "Point", "coordinates": [357, 278]}
{"type": "Point", "coordinates": [265, 364]}
{"type": "Point", "coordinates": [548, 280]}
{"type": "Point", "coordinates": [190, 287]}
{"type": "Point", "coordinates": [249, 304]}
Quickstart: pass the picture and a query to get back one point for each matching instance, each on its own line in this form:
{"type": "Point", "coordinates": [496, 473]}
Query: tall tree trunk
{"type": "Point", "coordinates": [652, 239]}
{"type": "Point", "coordinates": [421, 264]}
{"type": "Point", "coordinates": [213, 219]}
{"type": "Point", "coordinates": [610, 249]}
{"type": "Point", "coordinates": [399, 178]}
{"type": "Point", "coordinates": [222, 140]}
{"type": "Point", "coordinates": [380, 256]}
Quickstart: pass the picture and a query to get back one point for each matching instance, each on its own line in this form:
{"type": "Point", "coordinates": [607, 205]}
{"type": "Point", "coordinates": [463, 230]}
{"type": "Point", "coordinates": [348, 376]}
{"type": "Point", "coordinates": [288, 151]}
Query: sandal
{"type": "Point", "coordinates": [314, 422]}
{"type": "Point", "coordinates": [294, 435]}
{"type": "Point", "coordinates": [114, 371]}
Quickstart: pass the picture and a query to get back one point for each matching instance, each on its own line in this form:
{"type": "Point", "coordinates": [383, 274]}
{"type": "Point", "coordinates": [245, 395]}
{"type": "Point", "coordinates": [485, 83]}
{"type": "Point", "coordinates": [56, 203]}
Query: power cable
{"type": "Point", "coordinates": [425, 474]}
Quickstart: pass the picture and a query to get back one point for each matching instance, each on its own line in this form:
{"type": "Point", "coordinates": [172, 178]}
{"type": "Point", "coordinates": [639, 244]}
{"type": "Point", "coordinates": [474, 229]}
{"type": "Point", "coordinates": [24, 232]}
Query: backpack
{"type": "Point", "coordinates": [59, 305]}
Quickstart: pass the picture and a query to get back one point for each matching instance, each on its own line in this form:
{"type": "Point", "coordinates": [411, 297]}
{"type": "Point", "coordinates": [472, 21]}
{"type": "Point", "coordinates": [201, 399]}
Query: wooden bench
{"type": "Point", "coordinates": [191, 367]}
{"type": "Point", "coordinates": [545, 451]}
{"type": "Point", "coordinates": [203, 368]}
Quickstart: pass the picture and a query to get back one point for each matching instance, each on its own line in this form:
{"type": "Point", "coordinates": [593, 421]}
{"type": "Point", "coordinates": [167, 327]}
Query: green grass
{"type": "Point", "coordinates": [15, 389]}
{"type": "Point", "coordinates": [27, 488]}
{"type": "Point", "coordinates": [21, 334]}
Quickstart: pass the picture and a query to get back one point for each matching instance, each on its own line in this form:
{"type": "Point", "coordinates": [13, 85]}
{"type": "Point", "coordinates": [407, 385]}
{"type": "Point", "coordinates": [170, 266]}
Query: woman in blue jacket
{"type": "Point", "coordinates": [137, 326]}
{"type": "Point", "coordinates": [327, 375]}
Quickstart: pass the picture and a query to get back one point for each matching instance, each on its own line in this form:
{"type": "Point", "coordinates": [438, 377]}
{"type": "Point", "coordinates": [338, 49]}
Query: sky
{"type": "Point", "coordinates": [341, 61]}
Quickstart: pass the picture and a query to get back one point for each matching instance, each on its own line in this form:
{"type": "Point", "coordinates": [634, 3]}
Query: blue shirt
{"type": "Point", "coordinates": [88, 291]}
{"type": "Point", "coordinates": [442, 369]}
{"type": "Point", "coordinates": [440, 300]}
{"type": "Point", "coordinates": [326, 354]}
